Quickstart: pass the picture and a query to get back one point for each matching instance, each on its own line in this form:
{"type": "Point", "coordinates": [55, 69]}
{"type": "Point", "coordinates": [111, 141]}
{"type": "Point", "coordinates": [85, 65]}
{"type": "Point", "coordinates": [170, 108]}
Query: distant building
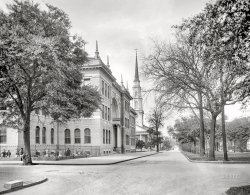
{"type": "Point", "coordinates": [110, 129]}
{"type": "Point", "coordinates": [141, 129]}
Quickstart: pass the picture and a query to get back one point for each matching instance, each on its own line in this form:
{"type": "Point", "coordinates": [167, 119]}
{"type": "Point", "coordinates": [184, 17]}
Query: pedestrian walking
{"type": "Point", "coordinates": [8, 153]}
{"type": "Point", "coordinates": [3, 153]}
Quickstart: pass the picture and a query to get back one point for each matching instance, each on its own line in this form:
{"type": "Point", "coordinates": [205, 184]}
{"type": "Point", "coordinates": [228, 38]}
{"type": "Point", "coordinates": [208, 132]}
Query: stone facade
{"type": "Point", "coordinates": [110, 128]}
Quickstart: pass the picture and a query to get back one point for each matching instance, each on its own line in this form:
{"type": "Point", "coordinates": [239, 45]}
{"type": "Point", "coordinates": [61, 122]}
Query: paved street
{"type": "Point", "coordinates": [164, 173]}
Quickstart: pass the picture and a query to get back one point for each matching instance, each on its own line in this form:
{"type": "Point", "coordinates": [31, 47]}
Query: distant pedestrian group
{"type": "Point", "coordinates": [6, 154]}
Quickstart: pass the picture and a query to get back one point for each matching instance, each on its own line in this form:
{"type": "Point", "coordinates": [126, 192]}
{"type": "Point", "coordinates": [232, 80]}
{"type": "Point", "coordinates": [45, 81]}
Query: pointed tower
{"type": "Point", "coordinates": [96, 50]}
{"type": "Point", "coordinates": [137, 98]}
{"type": "Point", "coordinates": [121, 80]}
{"type": "Point", "coordinates": [122, 85]}
{"type": "Point", "coordinates": [108, 62]}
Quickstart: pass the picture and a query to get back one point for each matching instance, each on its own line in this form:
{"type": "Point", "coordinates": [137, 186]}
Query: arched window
{"type": "Point", "coordinates": [109, 137]}
{"type": "Point", "coordinates": [87, 136]}
{"type": "Point", "coordinates": [37, 135]}
{"type": "Point", "coordinates": [44, 135]}
{"type": "Point", "coordinates": [52, 136]}
{"type": "Point", "coordinates": [67, 136]}
{"type": "Point", "coordinates": [127, 139]}
{"type": "Point", "coordinates": [103, 136]}
{"type": "Point", "coordinates": [77, 136]}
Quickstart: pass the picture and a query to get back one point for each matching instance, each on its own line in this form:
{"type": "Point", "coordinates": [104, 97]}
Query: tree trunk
{"type": "Point", "coordinates": [211, 155]}
{"type": "Point", "coordinates": [224, 139]}
{"type": "Point", "coordinates": [234, 145]}
{"type": "Point", "coordinates": [223, 129]}
{"type": "Point", "coordinates": [157, 140]}
{"type": "Point", "coordinates": [26, 138]}
{"type": "Point", "coordinates": [202, 137]}
{"type": "Point", "coordinates": [57, 136]}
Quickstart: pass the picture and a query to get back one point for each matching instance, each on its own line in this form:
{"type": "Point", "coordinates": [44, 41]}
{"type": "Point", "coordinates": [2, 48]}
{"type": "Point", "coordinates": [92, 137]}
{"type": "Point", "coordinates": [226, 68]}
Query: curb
{"type": "Point", "coordinates": [215, 162]}
{"type": "Point", "coordinates": [112, 163]}
{"type": "Point", "coordinates": [16, 163]}
{"type": "Point", "coordinates": [25, 186]}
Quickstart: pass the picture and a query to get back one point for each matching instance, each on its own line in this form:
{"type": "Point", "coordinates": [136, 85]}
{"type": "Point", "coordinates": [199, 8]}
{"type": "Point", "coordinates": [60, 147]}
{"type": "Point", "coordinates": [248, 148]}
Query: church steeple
{"type": "Point", "coordinates": [137, 97]}
{"type": "Point", "coordinates": [136, 68]}
{"type": "Point", "coordinates": [96, 50]}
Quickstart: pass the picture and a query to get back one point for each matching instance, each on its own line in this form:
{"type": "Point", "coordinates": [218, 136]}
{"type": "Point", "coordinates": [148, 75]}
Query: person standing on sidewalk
{"type": "Point", "coordinates": [21, 154]}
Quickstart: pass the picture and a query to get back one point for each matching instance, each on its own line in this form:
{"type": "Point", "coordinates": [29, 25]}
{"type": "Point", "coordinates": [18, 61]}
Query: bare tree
{"type": "Point", "coordinates": [156, 121]}
{"type": "Point", "coordinates": [177, 71]}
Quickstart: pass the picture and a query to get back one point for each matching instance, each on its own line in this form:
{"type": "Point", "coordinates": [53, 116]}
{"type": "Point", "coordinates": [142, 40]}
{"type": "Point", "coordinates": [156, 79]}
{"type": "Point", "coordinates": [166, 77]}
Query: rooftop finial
{"type": "Point", "coordinates": [108, 62]}
{"type": "Point", "coordinates": [96, 46]}
{"type": "Point", "coordinates": [127, 85]}
{"type": "Point", "coordinates": [96, 50]}
{"type": "Point", "coordinates": [136, 67]}
{"type": "Point", "coordinates": [121, 80]}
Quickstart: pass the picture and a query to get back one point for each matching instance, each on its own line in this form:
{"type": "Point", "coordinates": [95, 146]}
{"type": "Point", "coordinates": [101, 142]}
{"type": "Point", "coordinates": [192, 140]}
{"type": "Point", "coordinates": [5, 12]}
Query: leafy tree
{"type": "Point", "coordinates": [238, 131]}
{"type": "Point", "coordinates": [186, 130]}
{"type": "Point", "coordinates": [140, 144]}
{"type": "Point", "coordinates": [167, 144]}
{"type": "Point", "coordinates": [41, 67]}
{"type": "Point", "coordinates": [227, 51]}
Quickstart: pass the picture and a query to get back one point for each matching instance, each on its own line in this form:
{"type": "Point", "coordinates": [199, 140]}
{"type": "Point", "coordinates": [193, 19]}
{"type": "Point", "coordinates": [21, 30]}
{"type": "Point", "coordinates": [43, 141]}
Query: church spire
{"type": "Point", "coordinates": [96, 50]}
{"type": "Point", "coordinates": [137, 98]}
{"type": "Point", "coordinates": [136, 68]}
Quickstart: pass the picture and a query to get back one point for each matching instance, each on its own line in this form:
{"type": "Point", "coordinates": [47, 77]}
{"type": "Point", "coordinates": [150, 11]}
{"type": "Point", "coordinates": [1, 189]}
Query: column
{"type": "Point", "coordinates": [119, 143]}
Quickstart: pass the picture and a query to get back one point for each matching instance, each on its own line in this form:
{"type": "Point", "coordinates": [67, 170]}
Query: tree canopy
{"type": "Point", "coordinates": [41, 66]}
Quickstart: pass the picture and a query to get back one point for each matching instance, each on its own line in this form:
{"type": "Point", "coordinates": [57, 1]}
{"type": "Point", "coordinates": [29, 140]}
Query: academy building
{"type": "Point", "coordinates": [110, 129]}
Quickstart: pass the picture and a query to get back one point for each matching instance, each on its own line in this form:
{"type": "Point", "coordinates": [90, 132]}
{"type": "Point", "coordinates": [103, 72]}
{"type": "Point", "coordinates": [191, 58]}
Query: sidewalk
{"type": "Point", "coordinates": [28, 181]}
{"type": "Point", "coordinates": [214, 162]}
{"type": "Point", "coordinates": [100, 160]}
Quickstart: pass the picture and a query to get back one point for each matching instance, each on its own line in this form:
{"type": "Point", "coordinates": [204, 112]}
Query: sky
{"type": "Point", "coordinates": [121, 26]}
